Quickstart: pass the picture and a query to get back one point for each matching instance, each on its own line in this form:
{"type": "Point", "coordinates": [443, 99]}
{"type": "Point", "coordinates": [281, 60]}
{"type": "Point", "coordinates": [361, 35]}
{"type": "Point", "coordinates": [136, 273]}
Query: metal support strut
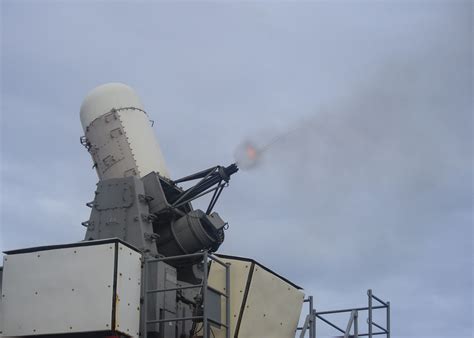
{"type": "Point", "coordinates": [214, 179]}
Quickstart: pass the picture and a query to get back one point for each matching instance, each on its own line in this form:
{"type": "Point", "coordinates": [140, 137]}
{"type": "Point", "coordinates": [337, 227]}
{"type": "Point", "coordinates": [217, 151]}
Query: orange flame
{"type": "Point", "coordinates": [251, 152]}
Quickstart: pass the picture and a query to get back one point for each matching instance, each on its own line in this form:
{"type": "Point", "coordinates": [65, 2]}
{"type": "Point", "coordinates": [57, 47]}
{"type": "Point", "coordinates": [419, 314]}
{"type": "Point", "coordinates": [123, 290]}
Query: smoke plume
{"type": "Point", "coordinates": [401, 126]}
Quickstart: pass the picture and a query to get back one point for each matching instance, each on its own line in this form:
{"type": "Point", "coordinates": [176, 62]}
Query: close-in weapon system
{"type": "Point", "coordinates": [147, 265]}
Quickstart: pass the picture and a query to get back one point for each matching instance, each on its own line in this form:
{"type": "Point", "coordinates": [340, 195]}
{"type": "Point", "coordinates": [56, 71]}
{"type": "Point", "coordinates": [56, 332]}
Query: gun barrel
{"type": "Point", "coordinates": [210, 177]}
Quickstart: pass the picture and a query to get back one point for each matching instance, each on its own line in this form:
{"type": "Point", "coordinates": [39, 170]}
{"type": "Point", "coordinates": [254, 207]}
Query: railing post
{"type": "Point", "coordinates": [312, 334]}
{"type": "Point", "coordinates": [388, 319]}
{"type": "Point", "coordinates": [204, 297]}
{"type": "Point", "coordinates": [349, 324]}
{"type": "Point", "coordinates": [369, 321]}
{"type": "Point", "coordinates": [227, 292]}
{"type": "Point", "coordinates": [356, 324]}
{"type": "Point", "coordinates": [314, 323]}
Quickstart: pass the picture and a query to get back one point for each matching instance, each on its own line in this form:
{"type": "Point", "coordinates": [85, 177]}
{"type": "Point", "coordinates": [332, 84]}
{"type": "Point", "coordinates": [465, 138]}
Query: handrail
{"type": "Point", "coordinates": [353, 319]}
{"type": "Point", "coordinates": [203, 285]}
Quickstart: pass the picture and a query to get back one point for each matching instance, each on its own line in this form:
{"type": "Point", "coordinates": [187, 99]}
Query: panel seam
{"type": "Point", "coordinates": [244, 300]}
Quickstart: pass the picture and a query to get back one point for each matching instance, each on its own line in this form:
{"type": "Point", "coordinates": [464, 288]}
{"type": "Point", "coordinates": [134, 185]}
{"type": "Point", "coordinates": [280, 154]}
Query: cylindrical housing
{"type": "Point", "coordinates": [193, 232]}
{"type": "Point", "coordinates": [118, 133]}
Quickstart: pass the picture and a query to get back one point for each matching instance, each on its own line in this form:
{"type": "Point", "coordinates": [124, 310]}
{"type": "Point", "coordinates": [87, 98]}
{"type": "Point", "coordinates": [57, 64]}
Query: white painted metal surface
{"type": "Point", "coordinates": [266, 305]}
{"type": "Point", "coordinates": [120, 134]}
{"type": "Point", "coordinates": [70, 290]}
{"type": "Point", "coordinates": [128, 291]}
{"type": "Point", "coordinates": [239, 272]}
{"type": "Point", "coordinates": [273, 307]}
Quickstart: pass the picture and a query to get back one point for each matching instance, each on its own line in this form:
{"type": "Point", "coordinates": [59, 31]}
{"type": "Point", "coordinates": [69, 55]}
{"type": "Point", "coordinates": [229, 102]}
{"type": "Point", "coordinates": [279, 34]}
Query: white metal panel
{"type": "Point", "coordinates": [143, 142]}
{"type": "Point", "coordinates": [272, 308]}
{"type": "Point", "coordinates": [239, 272]}
{"type": "Point", "coordinates": [128, 291]}
{"type": "Point", "coordinates": [109, 148]}
{"type": "Point", "coordinates": [59, 290]}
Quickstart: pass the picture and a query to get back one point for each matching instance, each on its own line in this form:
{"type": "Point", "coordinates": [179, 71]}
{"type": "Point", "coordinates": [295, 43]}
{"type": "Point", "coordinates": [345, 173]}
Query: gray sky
{"type": "Point", "coordinates": [373, 191]}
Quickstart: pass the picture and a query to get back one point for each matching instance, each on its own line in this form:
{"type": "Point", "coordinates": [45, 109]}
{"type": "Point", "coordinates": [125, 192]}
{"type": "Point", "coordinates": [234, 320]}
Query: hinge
{"type": "Point", "coordinates": [88, 224]}
{"type": "Point", "coordinates": [149, 218]}
{"type": "Point", "coordinates": [144, 198]}
{"type": "Point", "coordinates": [152, 237]}
{"type": "Point", "coordinates": [85, 142]}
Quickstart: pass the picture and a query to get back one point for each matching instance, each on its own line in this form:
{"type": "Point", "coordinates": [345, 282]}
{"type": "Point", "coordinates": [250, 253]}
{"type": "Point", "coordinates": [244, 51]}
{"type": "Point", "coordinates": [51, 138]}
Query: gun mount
{"type": "Point", "coordinates": [165, 221]}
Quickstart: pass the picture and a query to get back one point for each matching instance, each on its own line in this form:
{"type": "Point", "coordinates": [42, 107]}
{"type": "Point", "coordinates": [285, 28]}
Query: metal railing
{"type": "Point", "coordinates": [206, 257]}
{"type": "Point", "coordinates": [353, 323]}
{"type": "Point", "coordinates": [310, 320]}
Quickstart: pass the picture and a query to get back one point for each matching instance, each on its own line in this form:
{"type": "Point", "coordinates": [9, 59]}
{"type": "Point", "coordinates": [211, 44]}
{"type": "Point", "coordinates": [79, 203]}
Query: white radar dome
{"type": "Point", "coordinates": [118, 133]}
{"type": "Point", "coordinates": [106, 97]}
